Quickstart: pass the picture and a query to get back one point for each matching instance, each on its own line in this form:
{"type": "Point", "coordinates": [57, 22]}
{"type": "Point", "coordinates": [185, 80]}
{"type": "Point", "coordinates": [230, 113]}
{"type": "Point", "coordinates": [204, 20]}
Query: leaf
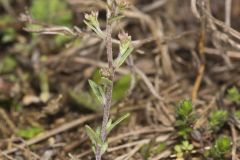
{"type": "Point", "coordinates": [98, 91]}
{"type": "Point", "coordinates": [60, 40]}
{"type": "Point", "coordinates": [104, 148]}
{"type": "Point", "coordinates": [115, 18]}
{"type": "Point", "coordinates": [184, 109]}
{"type": "Point", "coordinates": [9, 35]}
{"type": "Point", "coordinates": [114, 124]}
{"type": "Point", "coordinates": [122, 57]}
{"type": "Point", "coordinates": [84, 99]}
{"type": "Point", "coordinates": [96, 77]}
{"type": "Point", "coordinates": [145, 151]}
{"type": "Point", "coordinates": [218, 119]}
{"type": "Point", "coordinates": [51, 11]}
{"type": "Point", "coordinates": [162, 146]}
{"type": "Point", "coordinates": [8, 65]}
{"type": "Point", "coordinates": [29, 132]}
{"type": "Point", "coordinates": [94, 137]}
{"type": "Point", "coordinates": [178, 149]}
{"type": "Point", "coordinates": [223, 144]}
{"type": "Point", "coordinates": [121, 87]}
{"type": "Point", "coordinates": [233, 95]}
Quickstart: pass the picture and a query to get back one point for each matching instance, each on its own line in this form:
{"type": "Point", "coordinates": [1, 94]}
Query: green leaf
{"type": "Point", "coordinates": [84, 99]}
{"type": "Point", "coordinates": [184, 109]}
{"type": "Point", "coordinates": [121, 87]}
{"type": "Point", "coordinates": [145, 151]}
{"type": "Point", "coordinates": [218, 119]}
{"type": "Point", "coordinates": [223, 144]}
{"type": "Point", "coordinates": [94, 137]}
{"type": "Point", "coordinates": [9, 35]}
{"type": "Point", "coordinates": [97, 30]}
{"type": "Point", "coordinates": [162, 146]}
{"type": "Point", "coordinates": [186, 146]}
{"type": "Point", "coordinates": [8, 65]}
{"type": "Point", "coordinates": [233, 95]}
{"type": "Point", "coordinates": [237, 114]}
{"type": "Point", "coordinates": [115, 18]}
{"type": "Point", "coordinates": [51, 11]}
{"type": "Point", "coordinates": [221, 147]}
{"type": "Point", "coordinates": [104, 148]}
{"type": "Point", "coordinates": [98, 91]}
{"type": "Point", "coordinates": [60, 40]}
{"type": "Point", "coordinates": [122, 57]}
{"type": "Point", "coordinates": [178, 149]}
{"type": "Point", "coordinates": [96, 77]}
{"type": "Point", "coordinates": [109, 123]}
{"type": "Point", "coordinates": [114, 124]}
{"type": "Point", "coordinates": [29, 132]}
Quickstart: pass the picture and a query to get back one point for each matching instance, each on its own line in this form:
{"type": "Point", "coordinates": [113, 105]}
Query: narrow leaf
{"type": "Point", "coordinates": [98, 91]}
{"type": "Point", "coordinates": [104, 148]}
{"type": "Point", "coordinates": [122, 57]}
{"type": "Point", "coordinates": [95, 139]}
{"type": "Point", "coordinates": [117, 122]}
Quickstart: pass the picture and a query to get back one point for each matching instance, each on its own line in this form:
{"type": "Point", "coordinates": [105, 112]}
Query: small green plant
{"type": "Point", "coordinates": [185, 118]}
{"type": "Point", "coordinates": [29, 132]}
{"type": "Point", "coordinates": [95, 136]}
{"type": "Point", "coordinates": [217, 119]}
{"type": "Point", "coordinates": [49, 12]}
{"type": "Point", "coordinates": [237, 114]}
{"type": "Point", "coordinates": [103, 91]}
{"type": "Point", "coordinates": [233, 95]}
{"type": "Point", "coordinates": [183, 149]}
{"type": "Point", "coordinates": [220, 148]}
{"type": "Point", "coordinates": [151, 149]}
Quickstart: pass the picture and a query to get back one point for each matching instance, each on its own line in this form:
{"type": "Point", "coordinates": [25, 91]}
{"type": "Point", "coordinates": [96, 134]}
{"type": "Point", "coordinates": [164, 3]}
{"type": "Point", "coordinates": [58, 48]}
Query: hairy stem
{"type": "Point", "coordinates": [109, 88]}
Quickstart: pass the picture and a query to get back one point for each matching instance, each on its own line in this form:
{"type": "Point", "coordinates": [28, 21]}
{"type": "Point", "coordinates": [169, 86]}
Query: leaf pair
{"type": "Point", "coordinates": [111, 125]}
{"type": "Point", "coordinates": [125, 49]}
{"type": "Point", "coordinates": [91, 20]}
{"type": "Point", "coordinates": [95, 136]}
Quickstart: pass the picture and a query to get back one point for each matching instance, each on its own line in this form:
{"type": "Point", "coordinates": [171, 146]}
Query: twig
{"type": "Point", "coordinates": [234, 144]}
{"type": "Point", "coordinates": [148, 83]}
{"type": "Point", "coordinates": [161, 138]}
{"type": "Point", "coordinates": [130, 154]}
{"type": "Point", "coordinates": [5, 117]}
{"type": "Point", "coordinates": [201, 50]}
{"type": "Point", "coordinates": [228, 8]}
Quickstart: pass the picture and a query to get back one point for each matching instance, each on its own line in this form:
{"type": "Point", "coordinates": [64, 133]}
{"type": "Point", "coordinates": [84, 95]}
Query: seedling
{"type": "Point", "coordinates": [152, 148]}
{"type": "Point", "coordinates": [183, 149]}
{"type": "Point", "coordinates": [103, 90]}
{"type": "Point", "coordinates": [221, 147]}
{"type": "Point", "coordinates": [217, 120]}
{"type": "Point", "coordinates": [185, 118]}
{"type": "Point", "coordinates": [233, 95]}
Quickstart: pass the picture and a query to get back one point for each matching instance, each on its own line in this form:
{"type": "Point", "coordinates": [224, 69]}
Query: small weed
{"type": "Point", "coordinates": [233, 95]}
{"type": "Point", "coordinates": [183, 149]}
{"type": "Point", "coordinates": [151, 149]}
{"type": "Point", "coordinates": [217, 119]}
{"type": "Point", "coordinates": [237, 114]}
{"type": "Point", "coordinates": [185, 118]}
{"type": "Point", "coordinates": [29, 132]}
{"type": "Point", "coordinates": [220, 149]}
